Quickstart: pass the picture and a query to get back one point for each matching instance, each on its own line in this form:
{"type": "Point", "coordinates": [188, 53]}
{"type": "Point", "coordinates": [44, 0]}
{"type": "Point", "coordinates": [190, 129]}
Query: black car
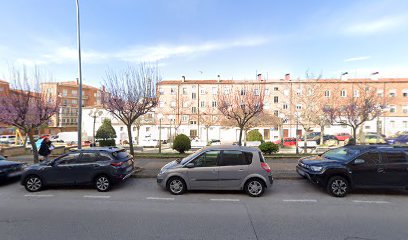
{"type": "Point", "coordinates": [327, 138]}
{"type": "Point", "coordinates": [100, 167]}
{"type": "Point", "coordinates": [358, 166]}
{"type": "Point", "coordinates": [9, 169]}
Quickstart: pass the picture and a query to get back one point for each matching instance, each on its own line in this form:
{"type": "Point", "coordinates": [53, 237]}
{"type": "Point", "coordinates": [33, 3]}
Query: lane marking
{"type": "Point", "coordinates": [39, 195]}
{"type": "Point", "coordinates": [96, 196]}
{"type": "Point", "coordinates": [362, 201]}
{"type": "Point", "coordinates": [299, 200]}
{"type": "Point", "coordinates": [158, 198]}
{"type": "Point", "coordinates": [224, 199]}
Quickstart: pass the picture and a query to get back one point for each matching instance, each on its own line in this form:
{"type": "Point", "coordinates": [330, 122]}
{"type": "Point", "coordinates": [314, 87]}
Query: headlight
{"type": "Point", "coordinates": [163, 170]}
{"type": "Point", "coordinates": [316, 169]}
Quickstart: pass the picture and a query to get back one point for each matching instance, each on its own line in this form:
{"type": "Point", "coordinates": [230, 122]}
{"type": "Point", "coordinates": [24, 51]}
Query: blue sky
{"type": "Point", "coordinates": [203, 38]}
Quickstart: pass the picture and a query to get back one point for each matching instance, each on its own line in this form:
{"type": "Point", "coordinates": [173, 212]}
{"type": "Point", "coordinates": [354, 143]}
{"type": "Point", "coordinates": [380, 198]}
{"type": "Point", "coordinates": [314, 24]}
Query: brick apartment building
{"type": "Point", "coordinates": [4, 90]}
{"type": "Point", "coordinates": [66, 120]}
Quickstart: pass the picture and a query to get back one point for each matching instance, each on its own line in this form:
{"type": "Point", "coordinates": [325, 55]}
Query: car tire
{"type": "Point", "coordinates": [33, 183]}
{"type": "Point", "coordinates": [176, 186]}
{"type": "Point", "coordinates": [103, 183]}
{"type": "Point", "coordinates": [338, 186]}
{"type": "Point", "coordinates": [254, 187]}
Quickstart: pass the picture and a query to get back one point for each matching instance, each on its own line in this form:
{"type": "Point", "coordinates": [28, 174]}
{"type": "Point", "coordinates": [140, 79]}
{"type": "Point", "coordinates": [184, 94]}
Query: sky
{"type": "Point", "coordinates": [201, 39]}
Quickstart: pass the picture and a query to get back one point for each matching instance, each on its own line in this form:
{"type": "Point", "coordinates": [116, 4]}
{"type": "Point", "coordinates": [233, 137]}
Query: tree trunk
{"type": "Point", "coordinates": [305, 142]}
{"type": "Point", "coordinates": [138, 135]}
{"type": "Point", "coordinates": [240, 136]}
{"type": "Point", "coordinates": [354, 133]}
{"type": "Point", "coordinates": [129, 129]}
{"type": "Point", "coordinates": [321, 135]}
{"type": "Point", "coordinates": [207, 134]}
{"type": "Point", "coordinates": [34, 147]}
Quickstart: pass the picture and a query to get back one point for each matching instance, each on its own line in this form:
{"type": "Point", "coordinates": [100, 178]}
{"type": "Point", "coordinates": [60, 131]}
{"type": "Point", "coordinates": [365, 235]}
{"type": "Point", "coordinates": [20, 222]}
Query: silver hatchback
{"type": "Point", "coordinates": [218, 168]}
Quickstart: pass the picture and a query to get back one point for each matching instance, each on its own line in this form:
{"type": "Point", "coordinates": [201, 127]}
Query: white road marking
{"type": "Point", "coordinates": [96, 196]}
{"type": "Point", "coordinates": [158, 198]}
{"type": "Point", "coordinates": [361, 201]}
{"type": "Point", "coordinates": [224, 200]}
{"type": "Point", "coordinates": [38, 195]}
{"type": "Point", "coordinates": [299, 200]}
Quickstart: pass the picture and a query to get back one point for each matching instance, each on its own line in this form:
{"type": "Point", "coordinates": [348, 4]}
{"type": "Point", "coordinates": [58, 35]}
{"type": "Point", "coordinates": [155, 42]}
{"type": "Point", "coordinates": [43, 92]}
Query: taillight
{"type": "Point", "coordinates": [265, 167]}
{"type": "Point", "coordinates": [117, 164]}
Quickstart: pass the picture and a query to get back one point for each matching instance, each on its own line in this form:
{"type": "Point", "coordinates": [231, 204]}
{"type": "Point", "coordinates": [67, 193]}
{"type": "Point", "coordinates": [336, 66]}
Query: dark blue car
{"type": "Point", "coordinates": [9, 169]}
{"type": "Point", "coordinates": [401, 139]}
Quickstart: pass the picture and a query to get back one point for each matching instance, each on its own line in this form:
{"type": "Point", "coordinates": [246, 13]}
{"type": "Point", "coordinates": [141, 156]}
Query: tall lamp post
{"type": "Point", "coordinates": [94, 113]}
{"type": "Point", "coordinates": [160, 117]}
{"type": "Point", "coordinates": [171, 118]}
{"type": "Point", "coordinates": [297, 129]}
{"type": "Point", "coordinates": [80, 79]}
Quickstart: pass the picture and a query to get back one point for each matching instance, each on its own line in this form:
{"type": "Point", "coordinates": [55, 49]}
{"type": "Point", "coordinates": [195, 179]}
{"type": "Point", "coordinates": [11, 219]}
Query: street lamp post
{"type": "Point", "coordinates": [297, 129]}
{"type": "Point", "coordinates": [94, 113]}
{"type": "Point", "coordinates": [80, 79]}
{"type": "Point", "coordinates": [160, 117]}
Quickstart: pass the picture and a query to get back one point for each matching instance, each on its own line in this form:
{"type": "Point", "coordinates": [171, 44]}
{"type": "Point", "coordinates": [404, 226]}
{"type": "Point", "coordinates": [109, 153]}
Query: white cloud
{"type": "Point", "coordinates": [353, 59]}
{"type": "Point", "coordinates": [376, 26]}
{"type": "Point", "coordinates": [158, 52]}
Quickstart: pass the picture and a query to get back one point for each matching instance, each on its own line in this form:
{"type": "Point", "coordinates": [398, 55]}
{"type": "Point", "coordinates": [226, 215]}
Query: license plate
{"type": "Point", "coordinates": [15, 174]}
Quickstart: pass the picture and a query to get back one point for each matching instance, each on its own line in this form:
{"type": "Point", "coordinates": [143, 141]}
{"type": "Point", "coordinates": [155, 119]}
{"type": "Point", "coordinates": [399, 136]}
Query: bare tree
{"type": "Point", "coordinates": [357, 109]}
{"type": "Point", "coordinates": [210, 117]}
{"type": "Point", "coordinates": [26, 107]}
{"type": "Point", "coordinates": [131, 93]}
{"type": "Point", "coordinates": [241, 103]}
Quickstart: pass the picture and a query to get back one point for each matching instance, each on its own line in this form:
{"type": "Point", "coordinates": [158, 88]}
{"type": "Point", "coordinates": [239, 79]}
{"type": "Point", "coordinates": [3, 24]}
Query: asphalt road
{"type": "Point", "coordinates": [138, 209]}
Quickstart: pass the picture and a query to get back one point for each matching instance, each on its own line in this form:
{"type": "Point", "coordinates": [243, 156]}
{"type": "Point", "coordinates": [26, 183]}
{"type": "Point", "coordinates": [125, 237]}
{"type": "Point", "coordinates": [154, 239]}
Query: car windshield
{"type": "Point", "coordinates": [186, 159]}
{"type": "Point", "coordinates": [342, 154]}
{"type": "Point", "coordinates": [121, 154]}
{"type": "Point", "coordinates": [2, 158]}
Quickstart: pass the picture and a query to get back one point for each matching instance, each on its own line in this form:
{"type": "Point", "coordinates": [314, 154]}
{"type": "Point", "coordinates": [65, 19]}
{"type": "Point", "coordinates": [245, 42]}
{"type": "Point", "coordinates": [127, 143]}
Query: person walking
{"type": "Point", "coordinates": [45, 149]}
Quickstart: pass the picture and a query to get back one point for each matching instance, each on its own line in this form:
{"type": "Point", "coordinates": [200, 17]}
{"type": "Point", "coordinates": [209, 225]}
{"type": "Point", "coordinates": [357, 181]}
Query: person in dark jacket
{"type": "Point", "coordinates": [45, 149]}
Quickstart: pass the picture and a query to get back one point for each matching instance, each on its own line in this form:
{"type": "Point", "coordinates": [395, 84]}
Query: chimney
{"type": "Point", "coordinates": [287, 77]}
{"type": "Point", "coordinates": [374, 76]}
{"type": "Point", "coordinates": [259, 77]}
{"type": "Point", "coordinates": [342, 76]}
{"type": "Point", "coordinates": [183, 78]}
{"type": "Point", "coordinates": [219, 78]}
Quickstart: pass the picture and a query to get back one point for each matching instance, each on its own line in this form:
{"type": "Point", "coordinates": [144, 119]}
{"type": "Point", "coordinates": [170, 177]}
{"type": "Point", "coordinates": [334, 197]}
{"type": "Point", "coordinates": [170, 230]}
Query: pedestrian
{"type": "Point", "coordinates": [46, 149]}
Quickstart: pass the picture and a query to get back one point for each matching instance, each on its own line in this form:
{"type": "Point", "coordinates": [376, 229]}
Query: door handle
{"type": "Point", "coordinates": [380, 170]}
{"type": "Point", "coordinates": [241, 170]}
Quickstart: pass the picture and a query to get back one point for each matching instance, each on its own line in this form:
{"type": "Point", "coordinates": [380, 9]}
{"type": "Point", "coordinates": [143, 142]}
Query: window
{"type": "Point", "coordinates": [227, 90]}
{"type": "Point", "coordinates": [275, 99]}
{"type": "Point", "coordinates": [172, 91]}
{"type": "Point", "coordinates": [370, 158]}
{"type": "Point", "coordinates": [207, 159]}
{"type": "Point", "coordinates": [405, 93]}
{"type": "Point", "coordinates": [276, 113]}
{"type": "Point", "coordinates": [193, 133]}
{"type": "Point", "coordinates": [64, 92]}
{"type": "Point", "coordinates": [184, 118]}
{"type": "Point", "coordinates": [243, 92]}
{"type": "Point", "coordinates": [405, 109]}
{"type": "Point", "coordinates": [74, 92]}
{"type": "Point", "coordinates": [267, 134]}
{"type": "Point", "coordinates": [267, 92]}
{"type": "Point", "coordinates": [202, 91]}
{"type": "Point", "coordinates": [393, 93]}
{"type": "Point", "coordinates": [134, 129]}
{"type": "Point", "coordinates": [65, 102]}
{"type": "Point", "coordinates": [327, 93]}
{"type": "Point", "coordinates": [121, 129]}
{"type": "Point", "coordinates": [67, 159]}
{"type": "Point", "coordinates": [161, 91]}
{"type": "Point", "coordinates": [184, 91]}
{"type": "Point", "coordinates": [298, 92]}
{"type": "Point", "coordinates": [193, 122]}
{"type": "Point", "coordinates": [298, 106]}
{"type": "Point", "coordinates": [147, 129]}
{"type": "Point", "coordinates": [74, 101]}
{"type": "Point", "coordinates": [173, 104]}
{"type": "Point", "coordinates": [193, 95]}
{"type": "Point", "coordinates": [214, 104]}
{"type": "Point", "coordinates": [393, 109]}
{"type": "Point", "coordinates": [103, 156]}
{"type": "Point", "coordinates": [356, 93]}
{"type": "Point", "coordinates": [202, 104]}
{"type": "Point", "coordinates": [194, 109]}
{"type": "Point", "coordinates": [275, 89]}
{"type": "Point", "coordinates": [88, 157]}
{"type": "Point", "coordinates": [309, 92]}
{"type": "Point", "coordinates": [380, 93]}
{"type": "Point", "coordinates": [405, 124]}
{"type": "Point", "coordinates": [394, 157]}
{"type": "Point", "coordinates": [392, 123]}
{"type": "Point", "coordinates": [285, 106]}
{"type": "Point", "coordinates": [234, 158]}
{"type": "Point", "coordinates": [214, 90]}
{"type": "Point", "coordinates": [2, 89]}
{"type": "Point", "coordinates": [256, 92]}
{"type": "Point", "coordinates": [343, 93]}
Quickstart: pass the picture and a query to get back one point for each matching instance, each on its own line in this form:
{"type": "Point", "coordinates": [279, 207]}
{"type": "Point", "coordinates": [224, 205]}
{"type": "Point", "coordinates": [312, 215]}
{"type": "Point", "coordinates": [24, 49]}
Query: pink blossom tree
{"type": "Point", "coordinates": [26, 107]}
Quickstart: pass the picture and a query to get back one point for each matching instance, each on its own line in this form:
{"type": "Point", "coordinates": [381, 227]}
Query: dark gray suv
{"type": "Point", "coordinates": [100, 167]}
{"type": "Point", "coordinates": [218, 168]}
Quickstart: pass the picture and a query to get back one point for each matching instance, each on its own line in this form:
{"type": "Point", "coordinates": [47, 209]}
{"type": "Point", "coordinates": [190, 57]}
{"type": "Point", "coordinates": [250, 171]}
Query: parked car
{"type": "Point", "coordinates": [9, 169]}
{"type": "Point", "coordinates": [214, 142]}
{"type": "Point", "coordinates": [372, 139]}
{"type": "Point", "coordinates": [101, 167]}
{"type": "Point", "coordinates": [342, 136]}
{"type": "Point", "coordinates": [401, 139]}
{"type": "Point", "coordinates": [287, 141]}
{"type": "Point", "coordinates": [330, 140]}
{"type": "Point", "coordinates": [223, 167]}
{"type": "Point", "coordinates": [360, 166]}
{"type": "Point", "coordinates": [313, 136]}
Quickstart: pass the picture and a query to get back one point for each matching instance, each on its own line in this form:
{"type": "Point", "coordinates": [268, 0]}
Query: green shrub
{"type": "Point", "coordinates": [269, 147]}
{"type": "Point", "coordinates": [107, 143]}
{"type": "Point", "coordinates": [181, 143]}
{"type": "Point", "coordinates": [254, 135]}
{"type": "Point", "coordinates": [106, 131]}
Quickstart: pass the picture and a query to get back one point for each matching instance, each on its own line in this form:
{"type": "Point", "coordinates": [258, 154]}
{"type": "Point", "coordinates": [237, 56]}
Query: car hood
{"type": "Point", "coordinates": [317, 160]}
{"type": "Point", "coordinates": [5, 164]}
{"type": "Point", "coordinates": [171, 165]}
{"type": "Point", "coordinates": [38, 166]}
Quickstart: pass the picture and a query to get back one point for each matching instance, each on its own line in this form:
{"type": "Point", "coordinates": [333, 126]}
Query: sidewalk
{"type": "Point", "coordinates": [283, 168]}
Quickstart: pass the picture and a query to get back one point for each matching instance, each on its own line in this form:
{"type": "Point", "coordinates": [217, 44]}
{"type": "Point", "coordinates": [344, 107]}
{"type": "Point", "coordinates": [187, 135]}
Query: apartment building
{"type": "Point", "coordinates": [66, 119]}
{"type": "Point", "coordinates": [4, 90]}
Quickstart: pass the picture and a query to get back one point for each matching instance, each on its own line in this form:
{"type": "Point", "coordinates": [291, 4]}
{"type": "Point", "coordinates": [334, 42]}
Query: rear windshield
{"type": "Point", "coordinates": [121, 154]}
{"type": "Point", "coordinates": [261, 157]}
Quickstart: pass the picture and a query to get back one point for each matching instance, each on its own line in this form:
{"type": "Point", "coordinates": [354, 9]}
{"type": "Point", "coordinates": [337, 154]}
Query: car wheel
{"type": "Point", "coordinates": [176, 186]}
{"type": "Point", "coordinates": [338, 186]}
{"type": "Point", "coordinates": [33, 183]}
{"type": "Point", "coordinates": [254, 187]}
{"type": "Point", "coordinates": [102, 183]}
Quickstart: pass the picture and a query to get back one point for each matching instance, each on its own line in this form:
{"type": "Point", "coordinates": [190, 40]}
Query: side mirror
{"type": "Point", "coordinates": [359, 161]}
{"type": "Point", "coordinates": [189, 165]}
